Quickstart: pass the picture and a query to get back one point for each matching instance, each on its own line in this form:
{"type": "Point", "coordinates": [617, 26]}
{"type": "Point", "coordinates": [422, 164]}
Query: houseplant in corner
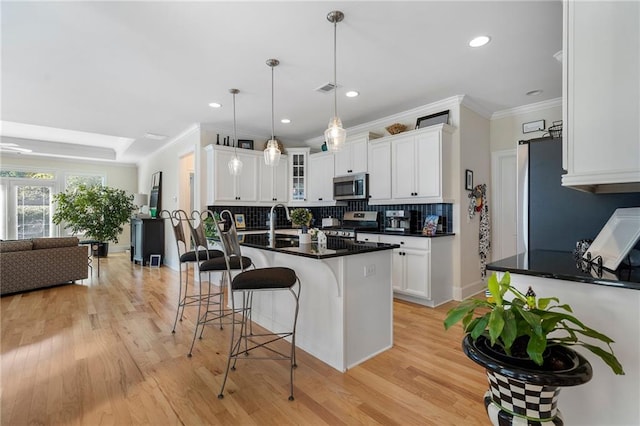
{"type": "Point", "coordinates": [97, 211]}
{"type": "Point", "coordinates": [525, 345]}
{"type": "Point", "coordinates": [302, 218]}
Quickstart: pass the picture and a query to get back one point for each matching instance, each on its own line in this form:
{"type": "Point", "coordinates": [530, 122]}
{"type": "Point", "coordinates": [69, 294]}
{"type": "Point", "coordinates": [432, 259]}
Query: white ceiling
{"type": "Point", "coordinates": [122, 69]}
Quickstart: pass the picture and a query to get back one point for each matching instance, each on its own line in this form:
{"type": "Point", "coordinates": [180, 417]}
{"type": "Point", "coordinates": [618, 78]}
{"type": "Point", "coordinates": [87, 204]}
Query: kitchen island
{"type": "Point", "coordinates": [608, 301]}
{"type": "Point", "coordinates": [346, 299]}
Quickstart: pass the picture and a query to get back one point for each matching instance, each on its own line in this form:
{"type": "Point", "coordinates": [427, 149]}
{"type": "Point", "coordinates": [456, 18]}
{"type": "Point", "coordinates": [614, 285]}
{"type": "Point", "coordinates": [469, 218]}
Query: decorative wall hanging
{"type": "Point", "coordinates": [478, 203]}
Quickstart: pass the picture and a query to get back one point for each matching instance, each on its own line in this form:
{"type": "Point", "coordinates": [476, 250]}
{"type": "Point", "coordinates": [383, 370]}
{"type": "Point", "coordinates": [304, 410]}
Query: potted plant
{"type": "Point", "coordinates": [98, 211]}
{"type": "Point", "coordinates": [525, 343]}
{"type": "Point", "coordinates": [302, 218]}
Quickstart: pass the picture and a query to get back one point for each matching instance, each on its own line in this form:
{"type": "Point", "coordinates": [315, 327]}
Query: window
{"type": "Point", "coordinates": [75, 180]}
{"type": "Point", "coordinates": [26, 196]}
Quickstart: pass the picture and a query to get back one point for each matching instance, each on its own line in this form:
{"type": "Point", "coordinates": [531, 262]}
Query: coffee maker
{"type": "Point", "coordinates": [397, 220]}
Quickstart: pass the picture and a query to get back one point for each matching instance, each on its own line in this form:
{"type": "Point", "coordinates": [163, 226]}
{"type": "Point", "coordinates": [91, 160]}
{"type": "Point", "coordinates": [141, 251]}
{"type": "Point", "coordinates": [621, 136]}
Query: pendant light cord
{"type": "Point", "coordinates": [335, 60]}
{"type": "Point", "coordinates": [235, 134]}
{"type": "Point", "coordinates": [272, 116]}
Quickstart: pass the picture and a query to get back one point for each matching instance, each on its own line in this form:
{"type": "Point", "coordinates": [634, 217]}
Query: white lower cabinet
{"type": "Point", "coordinates": [421, 268]}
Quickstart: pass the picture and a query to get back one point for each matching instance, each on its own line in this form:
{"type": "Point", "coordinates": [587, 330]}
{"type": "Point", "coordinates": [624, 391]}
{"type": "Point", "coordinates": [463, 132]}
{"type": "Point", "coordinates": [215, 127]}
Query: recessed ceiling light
{"type": "Point", "coordinates": [534, 92]}
{"type": "Point", "coordinates": [479, 41]}
{"type": "Point", "coordinates": [352, 94]}
{"type": "Point", "coordinates": [285, 121]}
{"type": "Point", "coordinates": [215, 105]}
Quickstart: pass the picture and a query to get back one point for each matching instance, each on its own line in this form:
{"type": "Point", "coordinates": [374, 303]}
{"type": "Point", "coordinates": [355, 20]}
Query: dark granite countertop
{"type": "Point", "coordinates": [562, 265]}
{"type": "Point", "coordinates": [410, 234]}
{"type": "Point", "coordinates": [336, 247]}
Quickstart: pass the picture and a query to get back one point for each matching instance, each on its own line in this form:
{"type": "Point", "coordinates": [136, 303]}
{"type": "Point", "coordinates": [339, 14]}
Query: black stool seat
{"type": "Point", "coordinates": [263, 278]}
{"type": "Point", "coordinates": [219, 264]}
{"type": "Point", "coordinates": [191, 256]}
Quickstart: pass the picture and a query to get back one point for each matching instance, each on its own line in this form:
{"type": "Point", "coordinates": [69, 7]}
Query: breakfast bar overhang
{"type": "Point", "coordinates": [346, 299]}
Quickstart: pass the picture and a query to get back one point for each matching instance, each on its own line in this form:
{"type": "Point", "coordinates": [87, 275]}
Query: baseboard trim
{"type": "Point", "coordinates": [461, 293]}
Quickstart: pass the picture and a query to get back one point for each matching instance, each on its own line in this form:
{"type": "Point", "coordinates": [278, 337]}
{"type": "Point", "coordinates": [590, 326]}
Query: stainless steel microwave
{"type": "Point", "coordinates": [351, 187]}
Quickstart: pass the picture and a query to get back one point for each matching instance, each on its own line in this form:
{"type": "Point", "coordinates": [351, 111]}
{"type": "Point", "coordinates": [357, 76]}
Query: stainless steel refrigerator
{"type": "Point", "coordinates": [553, 217]}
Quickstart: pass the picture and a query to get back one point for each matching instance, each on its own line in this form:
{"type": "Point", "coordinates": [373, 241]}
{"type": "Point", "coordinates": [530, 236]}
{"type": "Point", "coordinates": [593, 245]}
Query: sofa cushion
{"type": "Point", "coordinates": [15, 245]}
{"type": "Point", "coordinates": [46, 243]}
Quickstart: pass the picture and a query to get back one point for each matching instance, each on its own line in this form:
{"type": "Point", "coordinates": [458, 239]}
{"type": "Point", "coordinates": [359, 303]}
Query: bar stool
{"type": "Point", "coordinates": [186, 257]}
{"type": "Point", "coordinates": [244, 284]}
{"type": "Point", "coordinates": [207, 264]}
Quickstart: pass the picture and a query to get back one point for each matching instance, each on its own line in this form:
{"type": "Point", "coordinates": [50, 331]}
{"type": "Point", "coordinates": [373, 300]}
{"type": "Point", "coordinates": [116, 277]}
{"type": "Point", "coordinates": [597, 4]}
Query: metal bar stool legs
{"type": "Point", "coordinates": [246, 345]}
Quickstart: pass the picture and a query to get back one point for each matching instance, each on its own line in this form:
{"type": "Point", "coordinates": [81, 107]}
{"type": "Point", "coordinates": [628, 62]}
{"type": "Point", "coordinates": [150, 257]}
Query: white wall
{"type": "Point", "coordinates": [121, 176]}
{"type": "Point", "coordinates": [474, 155]}
{"type": "Point", "coordinates": [506, 126]}
{"type": "Point", "coordinates": [167, 161]}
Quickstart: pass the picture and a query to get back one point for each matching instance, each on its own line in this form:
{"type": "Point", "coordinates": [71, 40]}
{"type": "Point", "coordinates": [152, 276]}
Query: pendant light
{"type": "Point", "coordinates": [272, 152]}
{"type": "Point", "coordinates": [335, 135]}
{"type": "Point", "coordinates": [235, 165]}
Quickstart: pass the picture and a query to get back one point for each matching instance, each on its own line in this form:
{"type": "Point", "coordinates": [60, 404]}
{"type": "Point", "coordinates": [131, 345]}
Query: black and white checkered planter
{"type": "Point", "coordinates": [524, 395]}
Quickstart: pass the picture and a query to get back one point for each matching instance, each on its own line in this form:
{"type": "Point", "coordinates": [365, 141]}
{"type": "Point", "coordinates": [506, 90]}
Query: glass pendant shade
{"type": "Point", "coordinates": [235, 166]}
{"type": "Point", "coordinates": [272, 153]}
{"type": "Point", "coordinates": [335, 135]}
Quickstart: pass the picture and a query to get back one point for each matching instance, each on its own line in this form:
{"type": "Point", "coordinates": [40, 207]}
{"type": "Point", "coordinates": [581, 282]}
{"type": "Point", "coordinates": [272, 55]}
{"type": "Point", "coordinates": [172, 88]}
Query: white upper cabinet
{"type": "Point", "coordinates": [298, 175]}
{"type": "Point", "coordinates": [379, 170]}
{"type": "Point", "coordinates": [274, 182]}
{"type": "Point", "coordinates": [321, 172]}
{"type": "Point", "coordinates": [417, 160]}
{"type": "Point", "coordinates": [224, 188]}
{"type": "Point", "coordinates": [601, 109]}
{"type": "Point", "coordinates": [352, 158]}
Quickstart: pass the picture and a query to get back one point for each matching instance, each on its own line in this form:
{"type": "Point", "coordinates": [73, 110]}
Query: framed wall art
{"type": "Point", "coordinates": [468, 180]}
{"type": "Point", "coordinates": [245, 143]}
{"type": "Point", "coordinates": [533, 126]}
{"type": "Point", "coordinates": [155, 198]}
{"type": "Point", "coordinates": [430, 120]}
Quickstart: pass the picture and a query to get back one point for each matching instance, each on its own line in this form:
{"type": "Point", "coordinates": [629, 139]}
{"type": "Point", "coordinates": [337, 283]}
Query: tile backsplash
{"type": "Point", "coordinates": [257, 217]}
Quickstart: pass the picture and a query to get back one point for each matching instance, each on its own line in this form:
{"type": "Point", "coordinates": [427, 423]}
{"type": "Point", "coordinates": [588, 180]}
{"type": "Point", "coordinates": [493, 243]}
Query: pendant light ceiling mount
{"type": "Point", "coordinates": [272, 152]}
{"type": "Point", "coordinates": [335, 16]}
{"type": "Point", "coordinates": [335, 135]}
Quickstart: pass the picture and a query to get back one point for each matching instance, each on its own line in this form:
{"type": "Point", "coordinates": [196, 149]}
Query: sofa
{"type": "Point", "coordinates": [41, 262]}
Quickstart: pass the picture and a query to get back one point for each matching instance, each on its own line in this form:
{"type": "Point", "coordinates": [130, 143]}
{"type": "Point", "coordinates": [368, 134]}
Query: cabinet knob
{"type": "Point", "coordinates": [319, 199]}
{"type": "Point", "coordinates": [401, 242]}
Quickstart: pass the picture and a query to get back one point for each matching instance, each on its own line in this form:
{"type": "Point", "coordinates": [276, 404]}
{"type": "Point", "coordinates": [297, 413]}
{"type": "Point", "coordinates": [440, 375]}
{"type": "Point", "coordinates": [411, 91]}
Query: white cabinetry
{"type": "Point", "coordinates": [274, 182]}
{"type": "Point", "coordinates": [298, 168]}
{"type": "Point", "coordinates": [422, 268]}
{"type": "Point", "coordinates": [417, 172]}
{"type": "Point", "coordinates": [224, 188]}
{"type": "Point", "coordinates": [379, 160]}
{"type": "Point", "coordinates": [320, 183]}
{"type": "Point", "coordinates": [601, 73]}
{"type": "Point", "coordinates": [353, 157]}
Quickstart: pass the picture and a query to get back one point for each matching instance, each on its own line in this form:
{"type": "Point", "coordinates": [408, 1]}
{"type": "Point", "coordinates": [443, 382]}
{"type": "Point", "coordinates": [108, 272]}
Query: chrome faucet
{"type": "Point", "coordinates": [272, 220]}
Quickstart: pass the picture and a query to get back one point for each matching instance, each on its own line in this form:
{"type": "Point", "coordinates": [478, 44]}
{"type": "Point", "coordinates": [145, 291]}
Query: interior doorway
{"type": "Point", "coordinates": [504, 205]}
{"type": "Point", "coordinates": [187, 191]}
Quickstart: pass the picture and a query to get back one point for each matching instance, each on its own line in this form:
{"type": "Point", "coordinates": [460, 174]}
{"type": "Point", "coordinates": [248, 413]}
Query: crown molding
{"type": "Point", "coordinates": [476, 107]}
{"type": "Point", "coordinates": [413, 113]}
{"type": "Point", "coordinates": [538, 106]}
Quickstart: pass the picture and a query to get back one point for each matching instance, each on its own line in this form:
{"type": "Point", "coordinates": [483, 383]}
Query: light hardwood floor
{"type": "Point", "coordinates": [101, 352]}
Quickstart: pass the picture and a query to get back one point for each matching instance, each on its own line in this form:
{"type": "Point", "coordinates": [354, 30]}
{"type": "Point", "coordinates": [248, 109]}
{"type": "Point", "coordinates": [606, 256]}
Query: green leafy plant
{"type": "Point", "coordinates": [210, 229]}
{"type": "Point", "coordinates": [98, 211]}
{"type": "Point", "coordinates": [301, 217]}
{"type": "Point", "coordinates": [525, 316]}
